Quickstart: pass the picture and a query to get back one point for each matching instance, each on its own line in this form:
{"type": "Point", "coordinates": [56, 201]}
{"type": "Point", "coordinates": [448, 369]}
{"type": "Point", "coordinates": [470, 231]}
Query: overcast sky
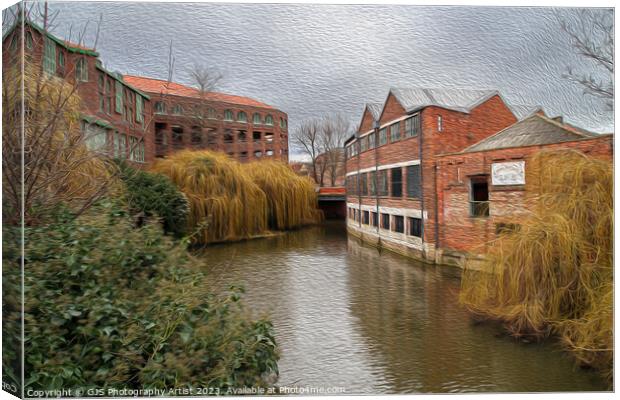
{"type": "Point", "coordinates": [309, 60]}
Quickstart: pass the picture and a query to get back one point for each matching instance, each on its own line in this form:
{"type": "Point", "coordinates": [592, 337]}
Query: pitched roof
{"type": "Point", "coordinates": [157, 86]}
{"type": "Point", "coordinates": [375, 109]}
{"type": "Point", "coordinates": [533, 130]}
{"type": "Point", "coordinates": [463, 100]}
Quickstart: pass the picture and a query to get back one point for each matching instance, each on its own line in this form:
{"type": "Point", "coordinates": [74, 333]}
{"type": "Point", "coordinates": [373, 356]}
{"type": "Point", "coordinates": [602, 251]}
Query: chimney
{"type": "Point", "coordinates": [559, 119]}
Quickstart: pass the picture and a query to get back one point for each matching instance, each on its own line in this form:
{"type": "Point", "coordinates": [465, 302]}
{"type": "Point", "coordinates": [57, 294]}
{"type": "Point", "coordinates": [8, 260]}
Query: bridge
{"type": "Point", "coordinates": [332, 201]}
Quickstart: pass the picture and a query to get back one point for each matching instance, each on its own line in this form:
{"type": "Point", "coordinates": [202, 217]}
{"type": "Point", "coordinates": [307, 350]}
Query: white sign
{"type": "Point", "coordinates": [508, 173]}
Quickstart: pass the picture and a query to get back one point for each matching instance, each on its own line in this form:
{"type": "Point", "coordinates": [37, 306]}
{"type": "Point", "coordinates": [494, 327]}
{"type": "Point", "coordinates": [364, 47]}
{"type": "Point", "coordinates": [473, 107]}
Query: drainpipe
{"type": "Point", "coordinates": [357, 179]}
{"type": "Point", "coordinates": [376, 133]}
{"type": "Point", "coordinates": [435, 168]}
{"type": "Point", "coordinates": [421, 158]}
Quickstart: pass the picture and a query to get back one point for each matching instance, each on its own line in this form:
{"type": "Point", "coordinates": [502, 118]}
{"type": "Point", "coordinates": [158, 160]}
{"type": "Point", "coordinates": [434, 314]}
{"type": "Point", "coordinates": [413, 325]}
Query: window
{"type": "Point", "coordinates": [399, 224]}
{"type": "Point", "coordinates": [412, 126]}
{"type": "Point", "coordinates": [415, 227]}
{"type": "Point", "coordinates": [177, 110]}
{"type": "Point", "coordinates": [81, 70]}
{"type": "Point", "coordinates": [364, 184]}
{"type": "Point", "coordinates": [258, 154]}
{"type": "Point", "coordinates": [139, 150]}
{"type": "Point", "coordinates": [116, 143]}
{"type": "Point", "coordinates": [382, 136]}
{"type": "Point", "coordinates": [256, 136]}
{"type": "Point", "coordinates": [139, 108]}
{"type": "Point", "coordinates": [177, 135]}
{"type": "Point", "coordinates": [228, 115]}
{"type": "Point", "coordinates": [479, 197]}
{"type": "Point", "coordinates": [373, 219]}
{"type": "Point", "coordinates": [269, 153]}
{"type": "Point", "coordinates": [49, 56]}
{"type": "Point", "coordinates": [373, 183]}
{"type": "Point", "coordinates": [371, 141]}
{"type": "Point", "coordinates": [413, 181]}
{"type": "Point", "coordinates": [242, 116]}
{"type": "Point", "coordinates": [123, 146]}
{"type": "Point", "coordinates": [395, 132]}
{"type": "Point", "coordinates": [382, 183]}
{"type": "Point", "coordinates": [29, 41]}
{"type": "Point", "coordinates": [363, 144]}
{"type": "Point", "coordinates": [95, 137]}
{"type": "Point", "coordinates": [160, 107]}
{"type": "Point", "coordinates": [256, 119]}
{"type": "Point", "coordinates": [439, 123]}
{"type": "Point", "coordinates": [196, 135]}
{"type": "Point", "coordinates": [211, 113]}
{"type": "Point", "coordinates": [13, 45]}
{"type": "Point", "coordinates": [133, 141]}
{"type": "Point", "coordinates": [269, 120]}
{"type": "Point", "coordinates": [108, 96]}
{"type": "Point", "coordinates": [283, 123]}
{"type": "Point", "coordinates": [61, 59]}
{"type": "Point", "coordinates": [119, 97]}
{"type": "Point", "coordinates": [385, 221]}
{"type": "Point", "coordinates": [366, 217]}
{"type": "Point", "coordinates": [397, 182]}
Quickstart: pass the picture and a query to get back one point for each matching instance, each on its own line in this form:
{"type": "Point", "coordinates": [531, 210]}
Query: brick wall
{"type": "Point", "coordinates": [508, 204]}
{"type": "Point", "coordinates": [272, 141]}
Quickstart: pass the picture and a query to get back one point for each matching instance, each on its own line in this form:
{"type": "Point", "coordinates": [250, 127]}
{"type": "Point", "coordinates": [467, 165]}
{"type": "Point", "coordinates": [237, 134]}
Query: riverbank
{"type": "Point", "coordinates": [348, 315]}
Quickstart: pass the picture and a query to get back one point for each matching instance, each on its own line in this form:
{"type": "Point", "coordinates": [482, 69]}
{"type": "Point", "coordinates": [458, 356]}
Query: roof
{"type": "Point", "coordinates": [157, 86]}
{"type": "Point", "coordinates": [463, 100]}
{"type": "Point", "coordinates": [375, 109]}
{"type": "Point", "coordinates": [533, 130]}
{"type": "Point", "coordinates": [69, 46]}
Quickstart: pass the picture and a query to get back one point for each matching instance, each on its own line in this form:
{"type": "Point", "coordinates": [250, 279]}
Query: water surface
{"type": "Point", "coordinates": [347, 315]}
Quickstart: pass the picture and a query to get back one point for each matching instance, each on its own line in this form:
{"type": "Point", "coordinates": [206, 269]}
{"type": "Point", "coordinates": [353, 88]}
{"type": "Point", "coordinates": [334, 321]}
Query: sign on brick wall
{"type": "Point", "coordinates": [508, 173]}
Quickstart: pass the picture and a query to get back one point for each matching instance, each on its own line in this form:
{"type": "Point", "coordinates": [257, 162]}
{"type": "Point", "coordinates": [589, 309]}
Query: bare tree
{"type": "Point", "coordinates": [308, 138]}
{"type": "Point", "coordinates": [335, 130]}
{"type": "Point", "coordinates": [42, 139]}
{"type": "Point", "coordinates": [205, 80]}
{"type": "Point", "coordinates": [592, 36]}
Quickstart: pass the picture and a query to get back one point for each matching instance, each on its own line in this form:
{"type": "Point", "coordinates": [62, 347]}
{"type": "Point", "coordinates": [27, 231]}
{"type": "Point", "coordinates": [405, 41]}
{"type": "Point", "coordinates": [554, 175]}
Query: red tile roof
{"type": "Point", "coordinates": [151, 85]}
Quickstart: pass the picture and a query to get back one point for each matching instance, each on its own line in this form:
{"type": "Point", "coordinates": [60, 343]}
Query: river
{"type": "Point", "coordinates": [350, 317]}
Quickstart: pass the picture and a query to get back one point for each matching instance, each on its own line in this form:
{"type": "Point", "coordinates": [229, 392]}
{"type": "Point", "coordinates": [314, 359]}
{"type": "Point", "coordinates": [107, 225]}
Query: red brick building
{"type": "Point", "coordinates": [141, 118]}
{"type": "Point", "coordinates": [390, 163]}
{"type": "Point", "coordinates": [418, 170]}
{"type": "Point", "coordinates": [244, 128]}
{"type": "Point", "coordinates": [482, 190]}
{"type": "Point", "coordinates": [115, 115]}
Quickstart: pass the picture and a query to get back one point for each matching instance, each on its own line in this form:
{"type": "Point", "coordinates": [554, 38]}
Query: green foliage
{"type": "Point", "coordinates": [109, 305]}
{"type": "Point", "coordinates": [151, 194]}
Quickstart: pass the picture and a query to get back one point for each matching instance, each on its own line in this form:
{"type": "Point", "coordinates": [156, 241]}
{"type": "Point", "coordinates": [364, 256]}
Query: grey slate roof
{"type": "Point", "coordinates": [375, 109]}
{"type": "Point", "coordinates": [533, 130]}
{"type": "Point", "coordinates": [462, 100]}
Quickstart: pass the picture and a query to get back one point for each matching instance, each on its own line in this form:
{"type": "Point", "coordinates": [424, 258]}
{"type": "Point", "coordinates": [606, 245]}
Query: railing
{"type": "Point", "coordinates": [479, 208]}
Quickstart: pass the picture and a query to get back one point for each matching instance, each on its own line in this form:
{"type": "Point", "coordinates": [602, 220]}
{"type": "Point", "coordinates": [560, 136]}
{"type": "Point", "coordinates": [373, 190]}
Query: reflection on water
{"type": "Point", "coordinates": [347, 315]}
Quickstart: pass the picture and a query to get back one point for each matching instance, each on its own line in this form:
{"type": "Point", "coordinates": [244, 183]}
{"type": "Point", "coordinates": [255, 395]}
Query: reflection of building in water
{"type": "Point", "coordinates": [425, 342]}
{"type": "Point", "coordinates": [436, 174]}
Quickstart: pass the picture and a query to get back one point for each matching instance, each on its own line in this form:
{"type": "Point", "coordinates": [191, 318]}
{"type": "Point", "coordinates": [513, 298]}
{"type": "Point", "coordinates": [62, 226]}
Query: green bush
{"type": "Point", "coordinates": [112, 306]}
{"type": "Point", "coordinates": [151, 195]}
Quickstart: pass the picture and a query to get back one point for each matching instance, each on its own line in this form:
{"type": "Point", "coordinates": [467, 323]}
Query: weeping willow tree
{"type": "Point", "coordinates": [554, 276]}
{"type": "Point", "coordinates": [291, 199]}
{"type": "Point", "coordinates": [45, 130]}
{"type": "Point", "coordinates": [225, 204]}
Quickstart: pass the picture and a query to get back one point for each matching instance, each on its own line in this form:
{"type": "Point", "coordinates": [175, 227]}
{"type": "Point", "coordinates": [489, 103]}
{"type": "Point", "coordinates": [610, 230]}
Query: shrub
{"type": "Point", "coordinates": [151, 194]}
{"type": "Point", "coordinates": [225, 203]}
{"type": "Point", "coordinates": [292, 199]}
{"type": "Point", "coordinates": [555, 275]}
{"type": "Point", "coordinates": [108, 305]}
